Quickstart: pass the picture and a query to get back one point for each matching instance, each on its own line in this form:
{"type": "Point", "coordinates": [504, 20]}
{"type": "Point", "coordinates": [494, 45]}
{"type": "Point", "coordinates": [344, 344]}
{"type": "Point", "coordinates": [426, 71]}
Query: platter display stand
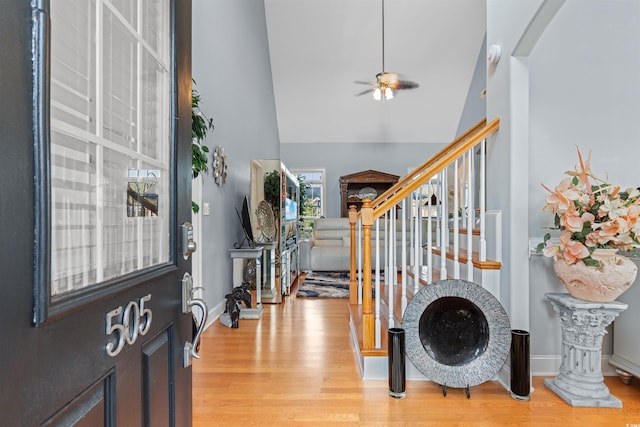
{"type": "Point", "coordinates": [240, 256]}
{"type": "Point", "coordinates": [580, 381]}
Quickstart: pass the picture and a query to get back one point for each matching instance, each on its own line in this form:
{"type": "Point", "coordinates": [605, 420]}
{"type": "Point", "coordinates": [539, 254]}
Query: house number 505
{"type": "Point", "coordinates": [125, 325]}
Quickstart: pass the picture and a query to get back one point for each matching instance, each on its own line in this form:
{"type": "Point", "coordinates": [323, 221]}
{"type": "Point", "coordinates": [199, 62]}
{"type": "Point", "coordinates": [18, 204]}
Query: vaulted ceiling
{"type": "Point", "coordinates": [319, 48]}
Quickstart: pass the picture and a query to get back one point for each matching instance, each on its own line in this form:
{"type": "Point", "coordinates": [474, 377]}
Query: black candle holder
{"type": "Point", "coordinates": [396, 357]}
{"type": "Point", "coordinates": [520, 365]}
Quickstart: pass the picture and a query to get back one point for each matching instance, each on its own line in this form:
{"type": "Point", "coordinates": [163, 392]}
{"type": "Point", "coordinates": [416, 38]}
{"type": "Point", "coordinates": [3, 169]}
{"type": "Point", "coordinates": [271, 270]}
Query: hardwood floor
{"type": "Point", "coordinates": [296, 367]}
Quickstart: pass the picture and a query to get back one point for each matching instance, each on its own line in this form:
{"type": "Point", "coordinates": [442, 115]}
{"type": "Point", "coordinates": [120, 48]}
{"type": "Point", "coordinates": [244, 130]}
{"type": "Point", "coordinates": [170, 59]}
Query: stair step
{"type": "Point", "coordinates": [474, 231]}
{"type": "Point", "coordinates": [435, 275]}
{"type": "Point", "coordinates": [355, 311]}
{"type": "Point", "coordinates": [462, 258]}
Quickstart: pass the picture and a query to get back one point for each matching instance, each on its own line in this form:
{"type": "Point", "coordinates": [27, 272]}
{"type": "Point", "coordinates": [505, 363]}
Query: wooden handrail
{"type": "Point", "coordinates": [433, 166]}
{"type": "Point", "coordinates": [421, 169]}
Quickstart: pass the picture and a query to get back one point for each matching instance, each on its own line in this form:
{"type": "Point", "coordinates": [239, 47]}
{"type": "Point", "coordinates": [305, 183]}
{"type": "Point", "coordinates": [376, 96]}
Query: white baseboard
{"type": "Point", "coordinates": [214, 314]}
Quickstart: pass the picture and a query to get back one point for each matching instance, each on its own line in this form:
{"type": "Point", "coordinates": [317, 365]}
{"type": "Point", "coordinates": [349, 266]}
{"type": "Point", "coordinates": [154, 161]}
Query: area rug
{"type": "Point", "coordinates": [325, 285]}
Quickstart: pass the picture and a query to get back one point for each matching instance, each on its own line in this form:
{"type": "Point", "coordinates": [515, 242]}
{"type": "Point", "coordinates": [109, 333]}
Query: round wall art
{"type": "Point", "coordinates": [219, 166]}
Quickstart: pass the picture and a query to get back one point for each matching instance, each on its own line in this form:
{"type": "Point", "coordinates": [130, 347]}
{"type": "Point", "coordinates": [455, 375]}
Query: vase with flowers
{"type": "Point", "coordinates": [596, 220]}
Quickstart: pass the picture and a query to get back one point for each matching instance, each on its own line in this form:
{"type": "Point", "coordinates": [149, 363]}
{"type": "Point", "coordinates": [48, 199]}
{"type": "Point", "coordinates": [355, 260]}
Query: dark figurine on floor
{"type": "Point", "coordinates": [241, 293]}
{"type": "Point", "coordinates": [233, 309]}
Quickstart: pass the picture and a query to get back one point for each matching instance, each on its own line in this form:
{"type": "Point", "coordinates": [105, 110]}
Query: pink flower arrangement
{"type": "Point", "coordinates": [591, 214]}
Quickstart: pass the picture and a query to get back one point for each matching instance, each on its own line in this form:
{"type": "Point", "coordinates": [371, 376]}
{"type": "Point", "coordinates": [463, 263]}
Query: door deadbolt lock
{"type": "Point", "coordinates": [188, 246]}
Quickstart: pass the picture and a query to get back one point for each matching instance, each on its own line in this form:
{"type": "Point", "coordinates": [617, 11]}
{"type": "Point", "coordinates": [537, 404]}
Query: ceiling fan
{"type": "Point", "coordinates": [386, 83]}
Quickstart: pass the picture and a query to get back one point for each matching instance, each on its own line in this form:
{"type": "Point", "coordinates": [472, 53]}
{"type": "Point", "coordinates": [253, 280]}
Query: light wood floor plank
{"type": "Point", "coordinates": [296, 367]}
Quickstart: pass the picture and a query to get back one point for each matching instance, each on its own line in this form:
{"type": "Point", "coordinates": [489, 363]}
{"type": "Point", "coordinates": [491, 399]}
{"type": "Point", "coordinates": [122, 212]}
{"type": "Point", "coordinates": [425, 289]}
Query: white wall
{"type": "Point", "coordinates": [233, 75]}
{"type": "Point", "coordinates": [577, 85]}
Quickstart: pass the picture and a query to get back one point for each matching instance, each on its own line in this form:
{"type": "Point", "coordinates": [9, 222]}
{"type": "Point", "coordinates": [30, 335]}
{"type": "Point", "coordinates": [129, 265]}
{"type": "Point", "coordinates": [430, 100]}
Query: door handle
{"type": "Point", "coordinates": [191, 348]}
{"type": "Point", "coordinates": [188, 302]}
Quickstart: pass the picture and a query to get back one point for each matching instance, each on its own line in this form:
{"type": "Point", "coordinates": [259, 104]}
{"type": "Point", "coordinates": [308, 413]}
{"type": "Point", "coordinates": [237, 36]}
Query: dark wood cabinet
{"type": "Point", "coordinates": [355, 187]}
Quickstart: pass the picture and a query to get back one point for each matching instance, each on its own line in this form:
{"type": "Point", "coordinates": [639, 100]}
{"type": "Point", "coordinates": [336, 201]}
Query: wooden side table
{"type": "Point", "coordinates": [239, 257]}
{"type": "Point", "coordinates": [580, 381]}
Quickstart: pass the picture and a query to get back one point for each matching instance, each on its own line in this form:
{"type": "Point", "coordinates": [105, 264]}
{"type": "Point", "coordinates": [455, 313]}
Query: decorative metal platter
{"type": "Point", "coordinates": [457, 333]}
{"type": "Point", "coordinates": [266, 221]}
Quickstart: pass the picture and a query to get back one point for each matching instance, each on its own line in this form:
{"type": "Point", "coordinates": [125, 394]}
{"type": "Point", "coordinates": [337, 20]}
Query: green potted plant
{"type": "Point", "coordinates": [272, 189]}
{"type": "Point", "coordinates": [200, 125]}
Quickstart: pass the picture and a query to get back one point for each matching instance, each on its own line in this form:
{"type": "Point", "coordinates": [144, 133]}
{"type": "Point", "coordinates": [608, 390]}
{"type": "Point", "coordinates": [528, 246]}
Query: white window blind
{"type": "Point", "coordinates": [110, 146]}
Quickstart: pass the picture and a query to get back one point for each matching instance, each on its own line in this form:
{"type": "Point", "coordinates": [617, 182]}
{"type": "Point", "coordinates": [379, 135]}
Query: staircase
{"type": "Point", "coordinates": [442, 229]}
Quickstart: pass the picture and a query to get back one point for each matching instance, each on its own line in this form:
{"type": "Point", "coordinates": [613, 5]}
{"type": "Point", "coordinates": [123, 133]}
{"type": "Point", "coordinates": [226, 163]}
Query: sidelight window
{"type": "Point", "coordinates": [110, 103]}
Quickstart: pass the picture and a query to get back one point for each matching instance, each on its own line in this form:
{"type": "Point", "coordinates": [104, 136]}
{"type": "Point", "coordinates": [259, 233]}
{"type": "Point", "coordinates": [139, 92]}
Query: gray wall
{"type": "Point", "coordinates": [233, 75]}
{"type": "Point", "coordinates": [577, 85]}
{"type": "Point", "coordinates": [475, 107]}
{"type": "Point", "coordinates": [584, 91]}
{"type": "Point", "coordinates": [344, 159]}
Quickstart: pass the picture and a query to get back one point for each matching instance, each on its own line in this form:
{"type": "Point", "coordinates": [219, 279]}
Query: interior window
{"type": "Point", "coordinates": [313, 181]}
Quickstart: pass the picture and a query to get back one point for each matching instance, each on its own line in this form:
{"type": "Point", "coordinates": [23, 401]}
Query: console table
{"type": "Point", "coordinates": [580, 381]}
{"type": "Point", "coordinates": [240, 257]}
{"type": "Point", "coordinates": [270, 292]}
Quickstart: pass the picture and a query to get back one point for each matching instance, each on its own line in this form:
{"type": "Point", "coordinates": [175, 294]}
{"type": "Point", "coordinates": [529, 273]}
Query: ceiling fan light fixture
{"type": "Point", "coordinates": [386, 82]}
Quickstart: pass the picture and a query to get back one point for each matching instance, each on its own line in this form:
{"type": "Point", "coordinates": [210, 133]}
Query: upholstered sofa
{"type": "Point", "coordinates": [329, 250]}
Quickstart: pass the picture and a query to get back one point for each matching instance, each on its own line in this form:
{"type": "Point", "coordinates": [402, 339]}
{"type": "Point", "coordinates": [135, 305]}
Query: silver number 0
{"type": "Point", "coordinates": [135, 320]}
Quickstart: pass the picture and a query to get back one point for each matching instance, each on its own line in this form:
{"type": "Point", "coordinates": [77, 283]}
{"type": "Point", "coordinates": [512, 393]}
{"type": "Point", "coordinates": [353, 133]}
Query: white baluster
{"type": "Point", "coordinates": [443, 223]}
{"type": "Point", "coordinates": [417, 249]}
{"type": "Point", "coordinates": [378, 340]}
{"type": "Point", "coordinates": [483, 198]}
{"type": "Point", "coordinates": [388, 277]}
{"type": "Point", "coordinates": [429, 235]}
{"type": "Point", "coordinates": [412, 241]}
{"type": "Point", "coordinates": [456, 225]}
{"type": "Point", "coordinates": [359, 260]}
{"type": "Point", "coordinates": [393, 245]}
{"type": "Point", "coordinates": [404, 254]}
{"type": "Point", "coordinates": [470, 217]}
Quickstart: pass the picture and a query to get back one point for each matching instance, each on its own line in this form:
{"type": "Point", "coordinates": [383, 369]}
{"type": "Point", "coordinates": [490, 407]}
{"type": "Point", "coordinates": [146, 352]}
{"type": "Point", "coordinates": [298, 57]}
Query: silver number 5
{"type": "Point", "coordinates": [118, 324]}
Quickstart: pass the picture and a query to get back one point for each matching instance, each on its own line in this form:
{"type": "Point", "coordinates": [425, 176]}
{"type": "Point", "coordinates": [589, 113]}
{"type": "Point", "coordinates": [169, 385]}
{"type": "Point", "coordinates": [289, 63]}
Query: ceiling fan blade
{"type": "Point", "coordinates": [360, 82]}
{"type": "Point", "coordinates": [406, 84]}
{"type": "Point", "coordinates": [364, 92]}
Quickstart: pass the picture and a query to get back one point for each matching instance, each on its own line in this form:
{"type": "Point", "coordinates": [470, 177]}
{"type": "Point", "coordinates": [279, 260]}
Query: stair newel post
{"type": "Point", "coordinates": [368, 321]}
{"type": "Point", "coordinates": [353, 285]}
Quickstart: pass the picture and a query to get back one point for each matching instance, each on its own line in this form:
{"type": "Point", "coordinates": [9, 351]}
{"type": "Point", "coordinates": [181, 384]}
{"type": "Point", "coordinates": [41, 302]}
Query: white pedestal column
{"type": "Point", "coordinates": [239, 256]}
{"type": "Point", "coordinates": [580, 381]}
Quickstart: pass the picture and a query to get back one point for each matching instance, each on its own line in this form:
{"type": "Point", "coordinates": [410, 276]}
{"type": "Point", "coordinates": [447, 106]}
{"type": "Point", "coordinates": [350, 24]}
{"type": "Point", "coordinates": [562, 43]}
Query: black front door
{"type": "Point", "coordinates": [94, 187]}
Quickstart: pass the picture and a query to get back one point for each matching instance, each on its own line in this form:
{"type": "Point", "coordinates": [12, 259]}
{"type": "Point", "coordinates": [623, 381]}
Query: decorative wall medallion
{"type": "Point", "coordinates": [219, 166]}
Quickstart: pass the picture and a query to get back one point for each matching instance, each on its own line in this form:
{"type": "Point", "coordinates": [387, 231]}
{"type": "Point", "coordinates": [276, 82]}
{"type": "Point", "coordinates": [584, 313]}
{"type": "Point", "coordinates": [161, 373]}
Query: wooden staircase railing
{"type": "Point", "coordinates": [385, 206]}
